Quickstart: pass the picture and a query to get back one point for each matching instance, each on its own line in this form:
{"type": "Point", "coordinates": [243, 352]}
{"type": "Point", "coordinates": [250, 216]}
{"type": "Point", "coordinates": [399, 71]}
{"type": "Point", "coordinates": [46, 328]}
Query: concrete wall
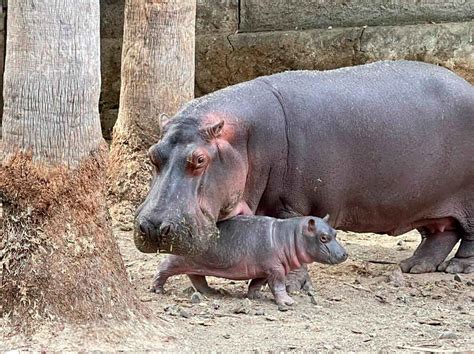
{"type": "Point", "coordinates": [240, 40]}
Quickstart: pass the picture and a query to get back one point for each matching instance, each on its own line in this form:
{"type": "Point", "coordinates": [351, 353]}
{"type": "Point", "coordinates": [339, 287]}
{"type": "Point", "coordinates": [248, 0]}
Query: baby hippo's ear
{"type": "Point", "coordinates": [212, 131]}
{"type": "Point", "coordinates": [311, 227]}
{"type": "Point", "coordinates": [326, 218]}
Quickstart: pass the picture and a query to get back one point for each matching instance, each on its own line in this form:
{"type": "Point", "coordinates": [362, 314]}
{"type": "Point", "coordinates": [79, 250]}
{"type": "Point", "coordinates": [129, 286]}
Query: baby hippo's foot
{"type": "Point", "coordinates": [458, 265]}
{"type": "Point", "coordinates": [284, 299]}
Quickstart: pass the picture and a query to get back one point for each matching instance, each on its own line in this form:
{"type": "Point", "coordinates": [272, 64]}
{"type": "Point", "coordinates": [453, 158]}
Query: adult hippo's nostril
{"type": "Point", "coordinates": [166, 228]}
{"type": "Point", "coordinates": [142, 228]}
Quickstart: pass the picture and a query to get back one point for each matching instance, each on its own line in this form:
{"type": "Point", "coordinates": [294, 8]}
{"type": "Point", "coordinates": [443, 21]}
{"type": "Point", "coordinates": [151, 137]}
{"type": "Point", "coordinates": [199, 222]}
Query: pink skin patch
{"type": "Point", "coordinates": [228, 130]}
{"type": "Point", "coordinates": [241, 209]}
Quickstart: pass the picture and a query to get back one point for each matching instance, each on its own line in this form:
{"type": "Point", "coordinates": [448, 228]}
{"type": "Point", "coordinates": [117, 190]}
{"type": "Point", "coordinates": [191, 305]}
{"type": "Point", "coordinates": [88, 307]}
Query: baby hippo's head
{"type": "Point", "coordinates": [320, 241]}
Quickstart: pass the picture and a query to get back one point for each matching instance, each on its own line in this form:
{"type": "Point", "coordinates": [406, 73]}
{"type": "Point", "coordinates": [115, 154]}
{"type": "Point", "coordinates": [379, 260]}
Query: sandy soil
{"type": "Point", "coordinates": [360, 305]}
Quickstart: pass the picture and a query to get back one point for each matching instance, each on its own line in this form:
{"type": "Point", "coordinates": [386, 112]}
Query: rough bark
{"type": "Point", "coordinates": [157, 78]}
{"type": "Point", "coordinates": [58, 257]}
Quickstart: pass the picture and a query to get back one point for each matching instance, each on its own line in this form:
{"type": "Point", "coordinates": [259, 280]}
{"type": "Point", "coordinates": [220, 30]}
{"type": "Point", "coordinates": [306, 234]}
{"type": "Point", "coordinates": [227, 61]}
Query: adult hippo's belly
{"type": "Point", "coordinates": [385, 148]}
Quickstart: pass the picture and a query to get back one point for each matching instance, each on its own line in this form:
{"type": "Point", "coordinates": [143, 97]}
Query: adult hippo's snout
{"type": "Point", "coordinates": [183, 235]}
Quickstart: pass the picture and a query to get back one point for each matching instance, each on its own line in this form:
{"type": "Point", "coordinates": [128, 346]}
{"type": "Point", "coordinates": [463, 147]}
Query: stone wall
{"type": "Point", "coordinates": [237, 40]}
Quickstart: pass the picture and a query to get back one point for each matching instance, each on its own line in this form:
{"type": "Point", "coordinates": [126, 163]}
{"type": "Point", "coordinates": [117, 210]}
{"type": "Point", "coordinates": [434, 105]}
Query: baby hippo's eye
{"type": "Point", "coordinates": [324, 238]}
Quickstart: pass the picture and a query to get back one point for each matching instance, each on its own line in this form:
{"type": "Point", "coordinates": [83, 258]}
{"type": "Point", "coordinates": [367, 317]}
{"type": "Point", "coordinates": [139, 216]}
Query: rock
{"type": "Point", "coordinates": [448, 335]}
{"type": "Point", "coordinates": [244, 307]}
{"type": "Point", "coordinates": [126, 227]}
{"type": "Point", "coordinates": [270, 318]}
{"type": "Point", "coordinates": [458, 278]}
{"type": "Point", "coordinates": [184, 313]}
{"type": "Point", "coordinates": [226, 336]}
{"type": "Point", "coordinates": [471, 324]}
{"type": "Point", "coordinates": [469, 283]}
{"type": "Point", "coordinates": [396, 278]}
{"type": "Point", "coordinates": [401, 243]}
{"type": "Point", "coordinates": [173, 310]}
{"type": "Point", "coordinates": [259, 312]}
{"type": "Point", "coordinates": [216, 305]}
{"type": "Point", "coordinates": [196, 297]}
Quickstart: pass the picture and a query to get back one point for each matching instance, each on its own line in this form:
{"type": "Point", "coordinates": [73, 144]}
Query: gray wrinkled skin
{"type": "Point", "coordinates": [386, 148]}
{"type": "Point", "coordinates": [259, 248]}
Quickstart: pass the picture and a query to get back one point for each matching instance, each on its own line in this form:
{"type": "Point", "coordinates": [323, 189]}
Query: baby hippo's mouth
{"type": "Point", "coordinates": [336, 253]}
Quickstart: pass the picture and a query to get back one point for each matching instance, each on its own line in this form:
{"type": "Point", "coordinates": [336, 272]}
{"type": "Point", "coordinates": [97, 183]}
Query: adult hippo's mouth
{"type": "Point", "coordinates": [176, 237]}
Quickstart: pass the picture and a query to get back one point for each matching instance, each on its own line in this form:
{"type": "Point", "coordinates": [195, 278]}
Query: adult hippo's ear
{"type": "Point", "coordinates": [311, 226]}
{"type": "Point", "coordinates": [212, 131]}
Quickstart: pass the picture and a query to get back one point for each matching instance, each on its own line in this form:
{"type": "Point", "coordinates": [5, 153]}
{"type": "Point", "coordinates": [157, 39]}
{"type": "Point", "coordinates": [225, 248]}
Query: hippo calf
{"type": "Point", "coordinates": [260, 248]}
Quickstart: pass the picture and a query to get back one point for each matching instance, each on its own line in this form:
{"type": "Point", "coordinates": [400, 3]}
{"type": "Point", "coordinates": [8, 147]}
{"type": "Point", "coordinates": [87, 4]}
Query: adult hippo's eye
{"type": "Point", "coordinates": [200, 160]}
{"type": "Point", "coordinates": [197, 160]}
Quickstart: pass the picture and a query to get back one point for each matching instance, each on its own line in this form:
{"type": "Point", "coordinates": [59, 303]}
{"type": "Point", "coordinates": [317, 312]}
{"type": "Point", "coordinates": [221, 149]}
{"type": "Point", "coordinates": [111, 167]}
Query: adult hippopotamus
{"type": "Point", "coordinates": [385, 148]}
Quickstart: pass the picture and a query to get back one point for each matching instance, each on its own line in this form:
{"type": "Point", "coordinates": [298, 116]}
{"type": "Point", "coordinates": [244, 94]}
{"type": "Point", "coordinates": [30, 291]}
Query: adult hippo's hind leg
{"type": "Point", "coordinates": [463, 261]}
{"type": "Point", "coordinates": [432, 251]}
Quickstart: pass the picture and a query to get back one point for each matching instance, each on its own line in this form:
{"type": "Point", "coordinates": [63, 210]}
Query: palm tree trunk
{"type": "Point", "coordinates": [58, 258]}
{"type": "Point", "coordinates": [157, 78]}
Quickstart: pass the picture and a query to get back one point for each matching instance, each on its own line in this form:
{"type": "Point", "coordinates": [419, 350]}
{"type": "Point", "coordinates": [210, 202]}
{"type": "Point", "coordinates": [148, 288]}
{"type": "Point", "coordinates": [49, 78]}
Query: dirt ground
{"type": "Point", "coordinates": [360, 305]}
{"type": "Point", "coordinates": [364, 304]}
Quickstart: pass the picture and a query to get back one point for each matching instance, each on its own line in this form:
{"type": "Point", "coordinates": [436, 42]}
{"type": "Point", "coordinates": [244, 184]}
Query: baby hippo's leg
{"type": "Point", "coordinates": [254, 288]}
{"type": "Point", "coordinates": [276, 282]}
{"type": "Point", "coordinates": [200, 284]}
{"type": "Point", "coordinates": [171, 265]}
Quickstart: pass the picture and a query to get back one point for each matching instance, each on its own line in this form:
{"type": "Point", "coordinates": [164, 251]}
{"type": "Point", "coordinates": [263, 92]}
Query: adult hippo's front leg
{"type": "Point", "coordinates": [463, 261]}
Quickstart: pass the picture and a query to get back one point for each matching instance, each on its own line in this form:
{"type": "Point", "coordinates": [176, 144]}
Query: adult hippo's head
{"type": "Point", "coordinates": [198, 178]}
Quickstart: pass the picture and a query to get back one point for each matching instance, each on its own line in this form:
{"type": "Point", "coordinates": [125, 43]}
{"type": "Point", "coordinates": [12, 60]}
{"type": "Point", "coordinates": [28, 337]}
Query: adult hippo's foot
{"type": "Point", "coordinates": [463, 261]}
{"type": "Point", "coordinates": [200, 284]}
{"type": "Point", "coordinates": [432, 251]}
{"type": "Point", "coordinates": [298, 280]}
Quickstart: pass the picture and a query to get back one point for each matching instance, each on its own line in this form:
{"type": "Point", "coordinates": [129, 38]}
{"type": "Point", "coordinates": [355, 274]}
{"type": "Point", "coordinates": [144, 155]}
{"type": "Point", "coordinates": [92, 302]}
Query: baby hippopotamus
{"type": "Point", "coordinates": [260, 248]}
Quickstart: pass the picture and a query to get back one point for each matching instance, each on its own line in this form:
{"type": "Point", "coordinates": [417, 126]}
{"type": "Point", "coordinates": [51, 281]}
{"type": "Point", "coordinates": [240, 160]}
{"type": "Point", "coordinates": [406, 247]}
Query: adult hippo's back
{"type": "Point", "coordinates": [385, 147]}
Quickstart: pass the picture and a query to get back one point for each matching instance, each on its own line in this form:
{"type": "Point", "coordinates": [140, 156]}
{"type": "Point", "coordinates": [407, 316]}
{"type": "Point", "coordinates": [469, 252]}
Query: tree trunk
{"type": "Point", "coordinates": [58, 257]}
{"type": "Point", "coordinates": [157, 78]}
